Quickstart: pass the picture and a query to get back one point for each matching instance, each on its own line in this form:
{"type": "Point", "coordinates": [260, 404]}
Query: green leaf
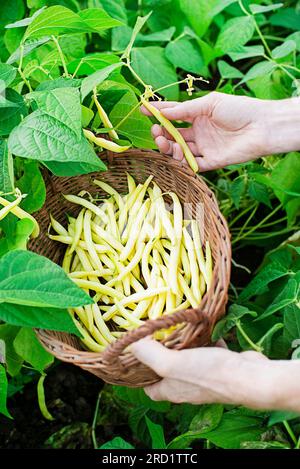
{"type": "Point", "coordinates": [12, 360]}
{"type": "Point", "coordinates": [288, 295]}
{"type": "Point", "coordinates": [288, 18]}
{"type": "Point", "coordinates": [185, 54]}
{"type": "Point", "coordinates": [278, 416]}
{"type": "Point", "coordinates": [259, 192]}
{"type": "Point", "coordinates": [6, 169]}
{"type": "Point", "coordinates": [259, 284]}
{"type": "Point", "coordinates": [163, 73]}
{"type": "Point", "coordinates": [236, 190]}
{"type": "Point", "coordinates": [7, 73]}
{"type": "Point", "coordinates": [291, 317]}
{"type": "Point", "coordinates": [206, 419]}
{"type": "Point", "coordinates": [235, 313]}
{"type": "Point", "coordinates": [90, 63]}
{"type": "Point", "coordinates": [32, 184]}
{"type": "Point", "coordinates": [29, 46]}
{"type": "Point", "coordinates": [11, 116]}
{"type": "Point", "coordinates": [246, 52]}
{"type": "Point", "coordinates": [296, 38]}
{"type": "Point", "coordinates": [97, 78]}
{"type": "Point", "coordinates": [227, 71]}
{"type": "Point", "coordinates": [86, 116]}
{"type": "Point", "coordinates": [157, 434]}
{"type": "Point", "coordinates": [3, 392]}
{"type": "Point", "coordinates": [257, 9]}
{"type": "Point", "coordinates": [140, 21]}
{"type": "Point", "coordinates": [29, 348]}
{"type": "Point", "coordinates": [115, 8]}
{"type": "Point", "coordinates": [165, 35]}
{"type": "Point", "coordinates": [260, 69]}
{"type": "Point", "coordinates": [25, 21]}
{"type": "Point", "coordinates": [234, 429]}
{"type": "Point", "coordinates": [199, 13]}
{"type": "Point", "coordinates": [57, 20]}
{"type": "Point", "coordinates": [137, 397]}
{"type": "Point", "coordinates": [98, 20]}
{"type": "Point", "coordinates": [63, 104]}
{"type": "Point", "coordinates": [116, 443]}
{"type": "Point", "coordinates": [44, 138]}
{"type": "Point", "coordinates": [54, 319]}
{"type": "Point", "coordinates": [18, 238]}
{"type": "Point", "coordinates": [137, 127]}
{"type": "Point", "coordinates": [284, 49]}
{"type": "Point", "coordinates": [235, 33]}
{"type": "Point", "coordinates": [10, 11]}
{"type": "Point", "coordinates": [29, 279]}
{"type": "Point", "coordinates": [72, 169]}
{"type": "Point", "coordinates": [59, 83]}
{"type": "Point", "coordinates": [264, 445]}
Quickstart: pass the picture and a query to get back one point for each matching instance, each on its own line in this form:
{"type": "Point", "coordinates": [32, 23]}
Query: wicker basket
{"type": "Point", "coordinates": [117, 365]}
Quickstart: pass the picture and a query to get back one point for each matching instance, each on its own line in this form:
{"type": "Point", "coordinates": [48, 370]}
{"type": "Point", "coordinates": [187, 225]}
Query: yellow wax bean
{"type": "Point", "coordinates": [134, 232]}
{"type": "Point", "coordinates": [87, 204]}
{"type": "Point", "coordinates": [87, 340]}
{"type": "Point", "coordinates": [102, 142]}
{"type": "Point", "coordinates": [185, 263]}
{"type": "Point", "coordinates": [87, 232]}
{"type": "Point", "coordinates": [11, 205]}
{"type": "Point", "coordinates": [98, 318]}
{"type": "Point", "coordinates": [20, 213]}
{"type": "Point", "coordinates": [131, 183]}
{"type": "Point", "coordinates": [198, 249]}
{"type": "Point", "coordinates": [128, 315]}
{"type": "Point", "coordinates": [136, 285]}
{"type": "Point", "coordinates": [78, 230]}
{"type": "Point", "coordinates": [100, 248]}
{"type": "Point", "coordinates": [175, 249]}
{"type": "Point", "coordinates": [126, 285]}
{"type": "Point", "coordinates": [111, 191]}
{"type": "Point", "coordinates": [96, 273]}
{"type": "Point", "coordinates": [187, 291]}
{"type": "Point", "coordinates": [98, 287]}
{"type": "Point", "coordinates": [66, 263]}
{"type": "Point", "coordinates": [58, 227]}
{"type": "Point", "coordinates": [104, 117]}
{"type": "Point", "coordinates": [107, 237]}
{"type": "Point", "coordinates": [141, 310]}
{"type": "Point", "coordinates": [145, 262]}
{"type": "Point", "coordinates": [172, 131]}
{"type": "Point", "coordinates": [135, 260]}
{"type": "Point", "coordinates": [158, 303]}
{"type": "Point", "coordinates": [162, 213]}
{"type": "Point", "coordinates": [195, 274]}
{"type": "Point", "coordinates": [202, 285]}
{"type": "Point", "coordinates": [135, 298]}
{"type": "Point", "coordinates": [208, 264]}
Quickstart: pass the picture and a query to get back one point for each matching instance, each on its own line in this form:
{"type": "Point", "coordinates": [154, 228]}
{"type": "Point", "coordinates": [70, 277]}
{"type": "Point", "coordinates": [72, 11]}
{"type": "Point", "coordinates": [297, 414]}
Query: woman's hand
{"type": "Point", "coordinates": [227, 129]}
{"type": "Point", "coordinates": [212, 374]}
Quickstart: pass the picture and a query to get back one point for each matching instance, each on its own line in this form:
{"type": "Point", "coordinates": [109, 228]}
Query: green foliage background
{"type": "Point", "coordinates": [49, 64]}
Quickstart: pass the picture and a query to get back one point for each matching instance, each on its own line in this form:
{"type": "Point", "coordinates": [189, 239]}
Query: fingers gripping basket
{"type": "Point", "coordinates": [116, 364]}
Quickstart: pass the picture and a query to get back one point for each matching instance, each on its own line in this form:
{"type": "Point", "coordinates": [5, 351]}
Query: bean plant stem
{"type": "Point", "coordinates": [94, 424]}
{"type": "Point", "coordinates": [262, 38]}
{"type": "Point", "coordinates": [62, 58]}
{"type": "Point", "coordinates": [241, 214]}
{"type": "Point", "coordinates": [127, 115]}
{"type": "Point", "coordinates": [138, 78]}
{"type": "Point", "coordinates": [21, 73]}
{"type": "Point", "coordinates": [290, 432]}
{"type": "Point", "coordinates": [247, 338]}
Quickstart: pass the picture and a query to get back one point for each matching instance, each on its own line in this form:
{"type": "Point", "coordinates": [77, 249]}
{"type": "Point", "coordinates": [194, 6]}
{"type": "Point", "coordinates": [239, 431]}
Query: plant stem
{"type": "Point", "coordinates": [62, 58]}
{"type": "Point", "coordinates": [247, 338]}
{"type": "Point", "coordinates": [94, 424]}
{"type": "Point", "coordinates": [258, 225]}
{"type": "Point", "coordinates": [247, 221]}
{"type": "Point", "coordinates": [298, 444]}
{"type": "Point", "coordinates": [290, 432]}
{"type": "Point", "coordinates": [127, 115]}
{"type": "Point", "coordinates": [138, 78]}
{"type": "Point", "coordinates": [78, 67]}
{"type": "Point", "coordinates": [20, 68]}
{"type": "Point", "coordinates": [262, 38]}
{"type": "Point", "coordinates": [241, 214]}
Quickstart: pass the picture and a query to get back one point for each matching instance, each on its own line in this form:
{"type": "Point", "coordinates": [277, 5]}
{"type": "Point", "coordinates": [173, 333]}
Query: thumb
{"type": "Point", "coordinates": [188, 110]}
{"type": "Point", "coordinates": [153, 354]}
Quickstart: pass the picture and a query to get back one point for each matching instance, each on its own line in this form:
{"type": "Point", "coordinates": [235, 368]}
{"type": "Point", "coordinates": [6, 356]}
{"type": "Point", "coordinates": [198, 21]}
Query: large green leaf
{"type": "Point", "coordinates": [90, 63]}
{"type": "Point", "coordinates": [235, 33]}
{"type": "Point", "coordinates": [3, 392]}
{"type": "Point", "coordinates": [29, 46]}
{"type": "Point", "coordinates": [284, 49]}
{"type": "Point", "coordinates": [157, 434]}
{"type": "Point", "coordinates": [288, 18]}
{"type": "Point", "coordinates": [12, 360]}
{"type": "Point", "coordinates": [18, 237]}
{"type": "Point", "coordinates": [6, 169]}
{"type": "Point", "coordinates": [63, 104]}
{"type": "Point", "coordinates": [185, 54]}
{"type": "Point", "coordinates": [59, 83]}
{"type": "Point", "coordinates": [287, 296]}
{"type": "Point", "coordinates": [246, 52]}
{"type": "Point", "coordinates": [200, 13]}
{"type": "Point", "coordinates": [152, 66]}
{"type": "Point", "coordinates": [11, 115]}
{"type": "Point", "coordinates": [55, 319]}
{"type": "Point", "coordinates": [259, 284]}
{"type": "Point", "coordinates": [7, 73]}
{"type": "Point", "coordinates": [32, 184]}
{"type": "Point", "coordinates": [115, 8]}
{"type": "Point", "coordinates": [29, 279]}
{"type": "Point", "coordinates": [291, 317]}
{"type": "Point", "coordinates": [10, 11]}
{"type": "Point", "coordinates": [235, 313]}
{"type": "Point", "coordinates": [89, 83]}
{"type": "Point", "coordinates": [137, 127]}
{"type": "Point", "coordinates": [72, 169]}
{"type": "Point", "coordinates": [98, 19]}
{"type": "Point", "coordinates": [42, 137]}
{"type": "Point", "coordinates": [29, 348]}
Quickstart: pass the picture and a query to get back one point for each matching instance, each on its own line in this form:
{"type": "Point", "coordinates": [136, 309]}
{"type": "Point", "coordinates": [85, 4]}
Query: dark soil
{"type": "Point", "coordinates": [71, 396]}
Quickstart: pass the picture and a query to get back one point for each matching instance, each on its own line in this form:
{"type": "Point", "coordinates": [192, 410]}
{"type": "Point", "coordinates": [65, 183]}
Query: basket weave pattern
{"type": "Point", "coordinates": [117, 365]}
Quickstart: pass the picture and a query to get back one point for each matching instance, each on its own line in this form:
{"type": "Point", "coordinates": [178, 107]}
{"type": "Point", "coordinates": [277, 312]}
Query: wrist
{"type": "Point", "coordinates": [280, 121]}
